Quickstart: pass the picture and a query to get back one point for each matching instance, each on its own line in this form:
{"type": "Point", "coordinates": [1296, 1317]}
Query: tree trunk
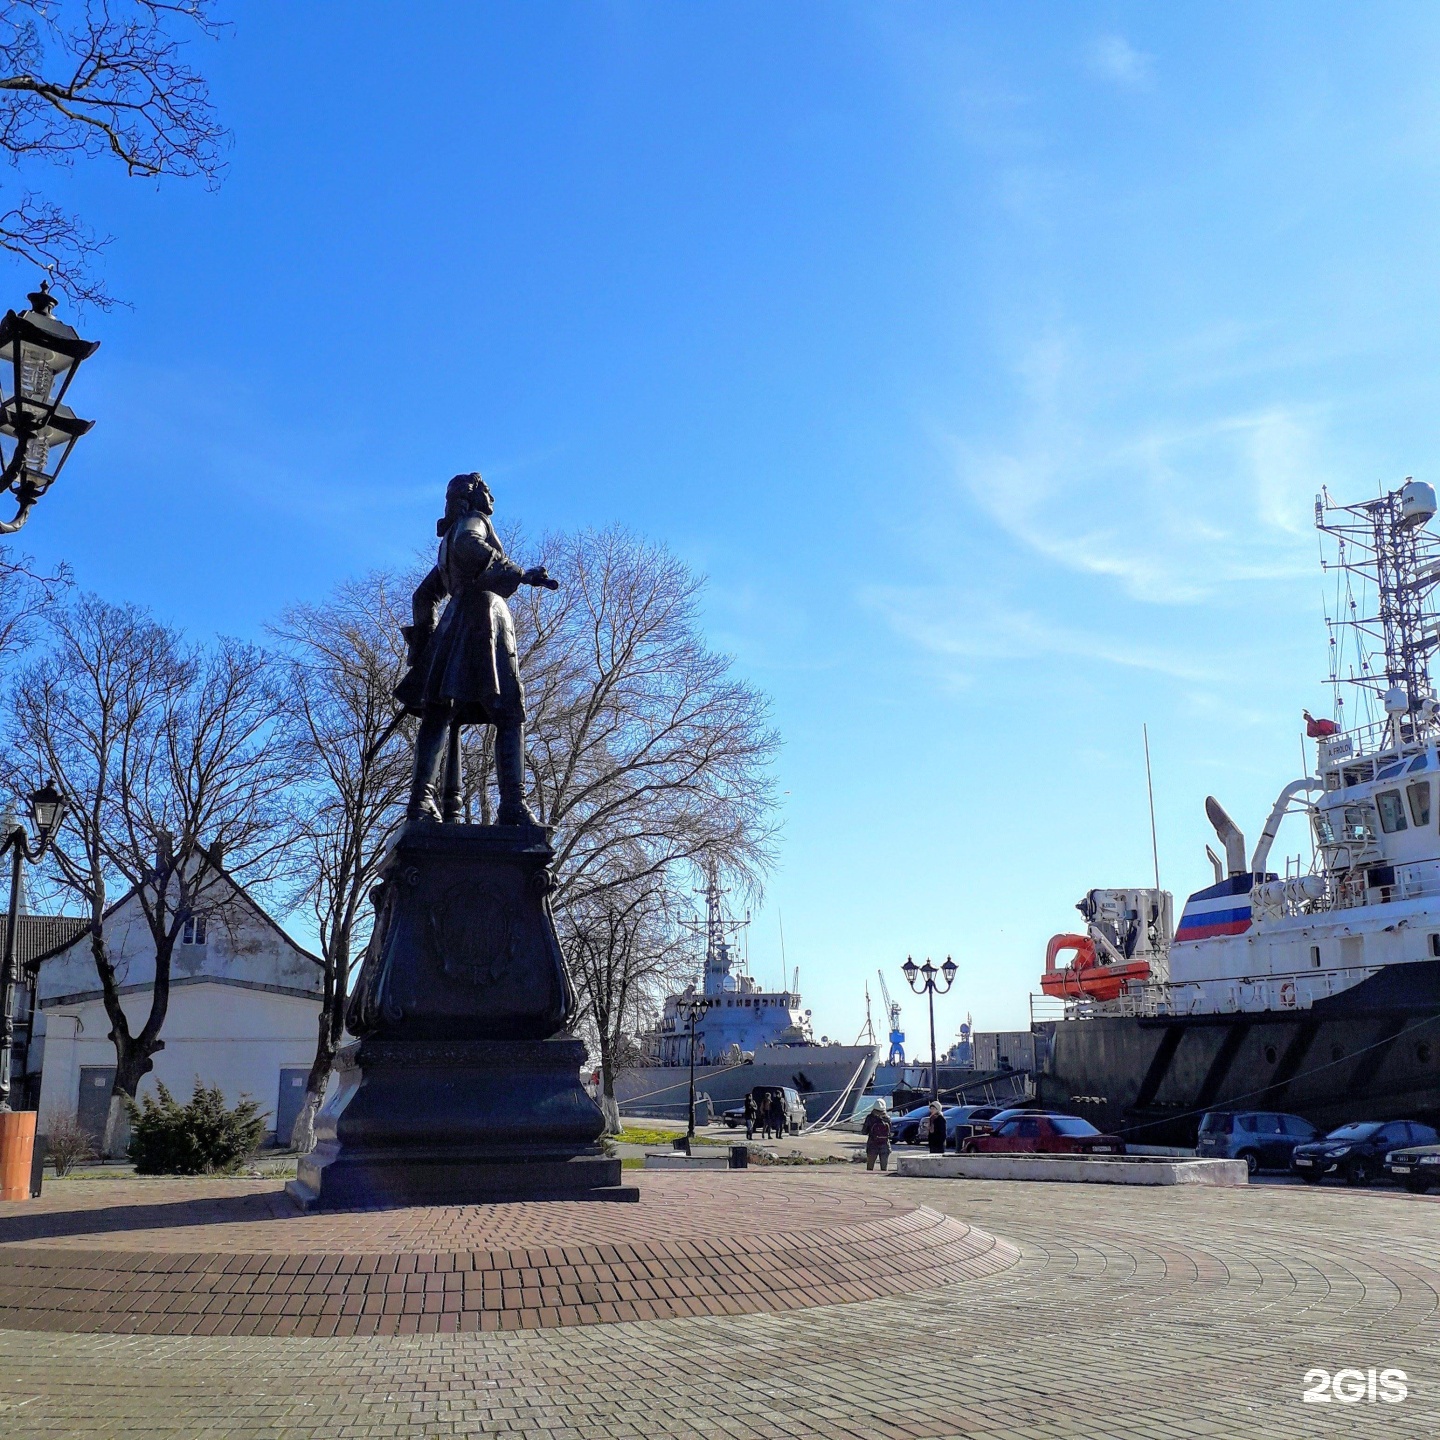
{"type": "Point", "coordinates": [302, 1137]}
{"type": "Point", "coordinates": [608, 1106]}
{"type": "Point", "coordinates": [331, 1027]}
{"type": "Point", "coordinates": [132, 1064]}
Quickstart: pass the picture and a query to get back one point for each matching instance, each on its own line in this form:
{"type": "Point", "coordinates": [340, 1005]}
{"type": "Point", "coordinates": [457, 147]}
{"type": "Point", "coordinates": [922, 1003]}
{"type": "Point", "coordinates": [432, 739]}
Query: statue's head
{"type": "Point", "coordinates": [462, 495]}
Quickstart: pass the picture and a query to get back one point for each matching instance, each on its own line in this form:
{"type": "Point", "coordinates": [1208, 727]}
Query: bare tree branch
{"type": "Point", "coordinates": [86, 79]}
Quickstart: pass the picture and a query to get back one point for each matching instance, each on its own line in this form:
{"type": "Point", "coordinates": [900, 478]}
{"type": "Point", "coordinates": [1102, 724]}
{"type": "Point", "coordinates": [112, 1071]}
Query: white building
{"type": "Point", "coordinates": [243, 1014]}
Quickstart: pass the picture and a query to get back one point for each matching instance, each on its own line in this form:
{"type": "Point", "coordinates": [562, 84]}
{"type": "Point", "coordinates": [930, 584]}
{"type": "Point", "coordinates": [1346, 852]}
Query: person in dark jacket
{"type": "Point", "coordinates": [750, 1117]}
{"type": "Point", "coordinates": [777, 1114]}
{"type": "Point", "coordinates": [877, 1137]}
{"type": "Point", "coordinates": [936, 1117]}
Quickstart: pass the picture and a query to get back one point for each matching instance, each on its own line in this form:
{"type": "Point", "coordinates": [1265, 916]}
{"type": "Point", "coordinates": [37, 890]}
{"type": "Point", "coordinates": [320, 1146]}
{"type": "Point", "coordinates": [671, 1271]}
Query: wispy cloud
{"type": "Point", "coordinates": [1173, 510]}
{"type": "Point", "coordinates": [1114, 58]}
{"type": "Point", "coordinates": [960, 625]}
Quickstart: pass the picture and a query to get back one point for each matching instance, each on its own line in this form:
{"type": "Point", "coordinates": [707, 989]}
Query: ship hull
{"type": "Point", "coordinates": [1369, 1053]}
{"type": "Point", "coordinates": [822, 1074]}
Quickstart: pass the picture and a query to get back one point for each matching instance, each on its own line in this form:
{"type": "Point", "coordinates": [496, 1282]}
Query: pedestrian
{"type": "Point", "coordinates": [777, 1114]}
{"type": "Point", "coordinates": [937, 1128]}
{"type": "Point", "coordinates": [877, 1137]}
{"type": "Point", "coordinates": [750, 1117]}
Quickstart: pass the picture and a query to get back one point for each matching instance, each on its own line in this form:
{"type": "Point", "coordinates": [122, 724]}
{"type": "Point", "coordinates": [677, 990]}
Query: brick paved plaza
{"type": "Point", "coordinates": [1101, 1312]}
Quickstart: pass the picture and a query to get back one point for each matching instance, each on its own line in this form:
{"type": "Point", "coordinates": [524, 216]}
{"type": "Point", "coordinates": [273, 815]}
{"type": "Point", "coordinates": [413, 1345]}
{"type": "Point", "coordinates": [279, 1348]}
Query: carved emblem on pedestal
{"type": "Point", "coordinates": [476, 955]}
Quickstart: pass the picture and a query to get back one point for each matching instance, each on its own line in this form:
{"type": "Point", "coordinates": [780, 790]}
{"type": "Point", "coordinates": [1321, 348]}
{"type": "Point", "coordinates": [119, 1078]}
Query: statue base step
{"type": "Point", "coordinates": [457, 1123]}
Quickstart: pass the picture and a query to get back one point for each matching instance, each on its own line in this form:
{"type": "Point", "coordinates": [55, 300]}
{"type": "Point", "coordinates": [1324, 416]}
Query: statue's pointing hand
{"type": "Point", "coordinates": [536, 575]}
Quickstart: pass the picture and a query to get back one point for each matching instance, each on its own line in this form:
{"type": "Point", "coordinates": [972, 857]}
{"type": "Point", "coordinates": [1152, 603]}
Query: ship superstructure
{"type": "Point", "coordinates": [742, 1016]}
{"type": "Point", "coordinates": [749, 1036]}
{"type": "Point", "coordinates": [1349, 935]}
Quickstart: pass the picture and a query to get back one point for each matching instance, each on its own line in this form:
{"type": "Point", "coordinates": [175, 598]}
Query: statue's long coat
{"type": "Point", "coordinates": [470, 660]}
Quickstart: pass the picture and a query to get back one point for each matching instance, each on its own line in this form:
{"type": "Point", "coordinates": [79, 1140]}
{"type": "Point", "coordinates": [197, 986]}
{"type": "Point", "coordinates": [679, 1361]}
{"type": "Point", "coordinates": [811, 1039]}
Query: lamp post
{"type": "Point", "coordinates": [691, 1008]}
{"type": "Point", "coordinates": [41, 350]}
{"type": "Point", "coordinates": [47, 810]}
{"type": "Point", "coordinates": [929, 987]}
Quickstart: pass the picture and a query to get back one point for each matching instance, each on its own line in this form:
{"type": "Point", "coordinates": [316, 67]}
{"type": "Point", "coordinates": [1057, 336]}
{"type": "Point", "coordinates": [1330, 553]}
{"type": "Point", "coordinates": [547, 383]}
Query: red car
{"type": "Point", "coordinates": [1045, 1135]}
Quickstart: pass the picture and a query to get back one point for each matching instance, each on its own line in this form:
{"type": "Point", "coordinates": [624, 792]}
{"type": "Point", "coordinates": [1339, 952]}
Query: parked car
{"type": "Point", "coordinates": [1263, 1139]}
{"type": "Point", "coordinates": [905, 1129]}
{"type": "Point", "coordinates": [1416, 1167]}
{"type": "Point", "coordinates": [962, 1121]}
{"type": "Point", "coordinates": [795, 1117]}
{"type": "Point", "coordinates": [1042, 1134]}
{"type": "Point", "coordinates": [1357, 1151]}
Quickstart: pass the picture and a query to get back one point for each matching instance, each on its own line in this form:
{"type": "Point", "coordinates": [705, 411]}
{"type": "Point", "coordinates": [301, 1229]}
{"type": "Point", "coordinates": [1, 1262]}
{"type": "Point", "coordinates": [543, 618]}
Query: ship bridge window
{"type": "Point", "coordinates": [1418, 794]}
{"type": "Point", "coordinates": [1419, 763]}
{"type": "Point", "coordinates": [1358, 825]}
{"type": "Point", "coordinates": [1324, 829]}
{"type": "Point", "coordinates": [1392, 812]}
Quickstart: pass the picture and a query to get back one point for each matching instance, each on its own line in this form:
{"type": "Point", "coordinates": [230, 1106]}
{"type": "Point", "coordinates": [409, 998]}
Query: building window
{"type": "Point", "coordinates": [194, 931]}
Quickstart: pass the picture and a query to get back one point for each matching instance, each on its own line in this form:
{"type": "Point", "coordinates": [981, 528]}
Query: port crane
{"type": "Point", "coordinates": [897, 1035]}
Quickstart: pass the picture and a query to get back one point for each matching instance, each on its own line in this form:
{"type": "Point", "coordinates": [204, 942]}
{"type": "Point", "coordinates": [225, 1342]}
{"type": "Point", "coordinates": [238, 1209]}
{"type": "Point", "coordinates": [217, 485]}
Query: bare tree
{"type": "Point", "coordinates": [624, 947]}
{"type": "Point", "coordinates": [650, 758]}
{"type": "Point", "coordinates": [25, 594]}
{"type": "Point", "coordinates": [178, 791]}
{"type": "Point", "coordinates": [93, 78]}
{"type": "Point", "coordinates": [341, 664]}
{"type": "Point", "coordinates": [643, 748]}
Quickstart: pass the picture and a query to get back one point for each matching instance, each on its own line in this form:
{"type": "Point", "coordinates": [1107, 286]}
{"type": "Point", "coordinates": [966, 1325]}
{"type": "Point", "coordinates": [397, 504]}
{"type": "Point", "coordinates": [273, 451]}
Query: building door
{"type": "Point", "coordinates": [292, 1097]}
{"type": "Point", "coordinates": [96, 1082]}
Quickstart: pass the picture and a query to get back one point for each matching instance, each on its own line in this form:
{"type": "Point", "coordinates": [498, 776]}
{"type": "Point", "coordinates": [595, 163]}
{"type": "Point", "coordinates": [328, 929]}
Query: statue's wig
{"type": "Point", "coordinates": [459, 499]}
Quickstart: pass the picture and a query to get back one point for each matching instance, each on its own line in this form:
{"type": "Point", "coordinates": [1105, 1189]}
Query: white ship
{"type": "Point", "coordinates": [748, 1037]}
{"type": "Point", "coordinates": [1312, 987]}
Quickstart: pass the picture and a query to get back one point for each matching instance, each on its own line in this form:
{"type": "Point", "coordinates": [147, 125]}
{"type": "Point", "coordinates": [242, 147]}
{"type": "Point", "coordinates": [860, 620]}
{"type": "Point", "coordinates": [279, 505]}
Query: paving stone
{"type": "Point", "coordinates": [1126, 1315]}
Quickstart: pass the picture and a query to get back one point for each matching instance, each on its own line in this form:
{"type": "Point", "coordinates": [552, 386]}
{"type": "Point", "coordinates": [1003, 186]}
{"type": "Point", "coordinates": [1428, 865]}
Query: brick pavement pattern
{"type": "Point", "coordinates": [234, 1258]}
{"type": "Point", "coordinates": [1129, 1313]}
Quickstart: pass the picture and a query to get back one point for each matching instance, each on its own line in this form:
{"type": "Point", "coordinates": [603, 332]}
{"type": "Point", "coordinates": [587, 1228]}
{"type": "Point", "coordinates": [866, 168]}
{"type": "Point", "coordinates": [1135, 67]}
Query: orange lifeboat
{"type": "Point", "coordinates": [1085, 978]}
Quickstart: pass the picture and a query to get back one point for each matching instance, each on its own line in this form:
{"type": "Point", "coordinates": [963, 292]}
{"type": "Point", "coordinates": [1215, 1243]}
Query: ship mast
{"type": "Point", "coordinates": [1384, 552]}
{"type": "Point", "coordinates": [719, 930]}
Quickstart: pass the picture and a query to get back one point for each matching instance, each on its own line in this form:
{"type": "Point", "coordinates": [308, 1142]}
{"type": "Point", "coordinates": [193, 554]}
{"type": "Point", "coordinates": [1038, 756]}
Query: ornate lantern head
{"type": "Point", "coordinates": [43, 354]}
{"type": "Point", "coordinates": [910, 969]}
{"type": "Point", "coordinates": [47, 809]}
{"type": "Point", "coordinates": [948, 970]}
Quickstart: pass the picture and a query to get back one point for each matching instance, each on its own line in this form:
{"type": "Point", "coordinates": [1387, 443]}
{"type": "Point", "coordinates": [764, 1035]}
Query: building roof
{"type": "Point", "coordinates": [37, 937]}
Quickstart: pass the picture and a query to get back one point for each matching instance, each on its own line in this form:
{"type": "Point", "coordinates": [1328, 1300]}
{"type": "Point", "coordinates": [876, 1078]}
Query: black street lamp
{"type": "Point", "coordinates": [690, 1009]}
{"type": "Point", "coordinates": [41, 350]}
{"type": "Point", "coordinates": [928, 987]}
{"type": "Point", "coordinates": [47, 810]}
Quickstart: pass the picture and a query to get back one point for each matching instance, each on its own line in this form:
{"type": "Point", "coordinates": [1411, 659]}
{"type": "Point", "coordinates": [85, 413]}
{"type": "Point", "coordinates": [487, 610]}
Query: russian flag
{"type": "Point", "coordinates": [1223, 909]}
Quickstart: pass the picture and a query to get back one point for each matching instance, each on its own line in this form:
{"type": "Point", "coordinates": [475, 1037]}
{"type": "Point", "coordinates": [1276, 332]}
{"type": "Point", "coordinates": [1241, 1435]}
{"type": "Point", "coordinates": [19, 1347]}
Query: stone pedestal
{"type": "Point", "coordinates": [463, 1085]}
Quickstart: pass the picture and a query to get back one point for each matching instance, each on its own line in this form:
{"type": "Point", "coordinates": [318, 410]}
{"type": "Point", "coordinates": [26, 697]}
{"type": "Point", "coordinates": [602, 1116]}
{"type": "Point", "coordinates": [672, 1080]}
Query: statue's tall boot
{"type": "Point", "coordinates": [429, 748]}
{"type": "Point", "coordinates": [510, 775]}
{"type": "Point", "coordinates": [453, 806]}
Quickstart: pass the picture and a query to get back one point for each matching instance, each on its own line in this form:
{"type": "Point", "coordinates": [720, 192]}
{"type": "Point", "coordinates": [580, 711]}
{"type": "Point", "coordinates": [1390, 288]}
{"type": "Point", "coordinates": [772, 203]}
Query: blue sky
{"type": "Point", "coordinates": [987, 358]}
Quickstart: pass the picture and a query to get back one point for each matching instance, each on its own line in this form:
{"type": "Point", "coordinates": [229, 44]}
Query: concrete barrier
{"type": "Point", "coordinates": [1084, 1169]}
{"type": "Point", "coordinates": [677, 1161]}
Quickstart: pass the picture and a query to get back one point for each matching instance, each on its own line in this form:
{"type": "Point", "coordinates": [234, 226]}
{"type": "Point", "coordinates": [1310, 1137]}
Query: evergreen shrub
{"type": "Point", "coordinates": [201, 1138]}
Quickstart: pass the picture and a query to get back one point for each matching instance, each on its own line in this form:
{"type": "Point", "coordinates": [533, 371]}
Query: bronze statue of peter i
{"type": "Point", "coordinates": [463, 665]}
